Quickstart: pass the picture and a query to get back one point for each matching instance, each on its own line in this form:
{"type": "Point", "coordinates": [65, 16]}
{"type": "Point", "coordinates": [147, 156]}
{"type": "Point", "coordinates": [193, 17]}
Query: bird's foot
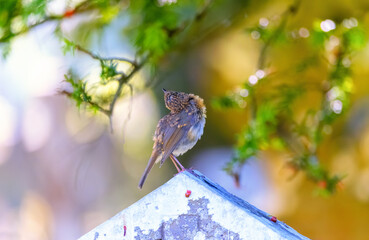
{"type": "Point", "coordinates": [175, 162]}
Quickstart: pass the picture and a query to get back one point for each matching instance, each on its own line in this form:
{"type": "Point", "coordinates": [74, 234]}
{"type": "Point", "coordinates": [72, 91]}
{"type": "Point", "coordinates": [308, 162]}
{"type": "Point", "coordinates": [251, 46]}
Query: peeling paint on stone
{"type": "Point", "coordinates": [196, 223]}
{"type": "Point", "coordinates": [209, 212]}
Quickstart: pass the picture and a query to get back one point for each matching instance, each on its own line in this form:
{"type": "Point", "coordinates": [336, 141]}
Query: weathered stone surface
{"type": "Point", "coordinates": [209, 212]}
{"type": "Point", "coordinates": [195, 224]}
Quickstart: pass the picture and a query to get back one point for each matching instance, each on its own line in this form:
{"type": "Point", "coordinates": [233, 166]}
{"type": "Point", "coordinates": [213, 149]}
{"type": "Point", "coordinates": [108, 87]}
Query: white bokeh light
{"type": "Point", "coordinates": [346, 62]}
{"type": "Point", "coordinates": [304, 33]}
{"type": "Point", "coordinates": [253, 79]}
{"type": "Point", "coordinates": [333, 93]}
{"type": "Point", "coordinates": [166, 2]}
{"type": "Point", "coordinates": [336, 106]}
{"type": "Point", "coordinates": [260, 74]}
{"type": "Point", "coordinates": [327, 25]}
{"type": "Point", "coordinates": [244, 92]}
{"type": "Point", "coordinates": [263, 22]}
{"type": "Point", "coordinates": [242, 103]}
{"type": "Point", "coordinates": [255, 35]}
{"type": "Point", "coordinates": [350, 23]}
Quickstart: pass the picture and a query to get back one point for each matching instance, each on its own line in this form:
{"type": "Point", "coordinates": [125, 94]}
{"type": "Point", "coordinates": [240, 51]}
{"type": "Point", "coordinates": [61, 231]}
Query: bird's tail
{"type": "Point", "coordinates": [150, 164]}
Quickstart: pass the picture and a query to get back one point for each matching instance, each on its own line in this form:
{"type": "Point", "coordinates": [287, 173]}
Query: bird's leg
{"type": "Point", "coordinates": [175, 164]}
{"type": "Point", "coordinates": [175, 159]}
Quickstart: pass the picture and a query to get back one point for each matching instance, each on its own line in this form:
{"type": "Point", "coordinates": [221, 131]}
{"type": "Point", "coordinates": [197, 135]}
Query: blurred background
{"type": "Point", "coordinates": [62, 171]}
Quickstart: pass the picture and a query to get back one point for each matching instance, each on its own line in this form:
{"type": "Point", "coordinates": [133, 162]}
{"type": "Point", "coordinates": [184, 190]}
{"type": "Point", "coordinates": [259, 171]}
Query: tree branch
{"type": "Point", "coordinates": [123, 80]}
{"type": "Point", "coordinates": [135, 66]}
{"type": "Point", "coordinates": [290, 11]}
{"type": "Point", "coordinates": [96, 56]}
{"type": "Point", "coordinates": [81, 7]}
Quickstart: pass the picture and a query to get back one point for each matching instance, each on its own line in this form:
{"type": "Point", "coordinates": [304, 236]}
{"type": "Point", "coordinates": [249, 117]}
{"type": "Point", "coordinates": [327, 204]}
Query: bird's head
{"type": "Point", "coordinates": [177, 101]}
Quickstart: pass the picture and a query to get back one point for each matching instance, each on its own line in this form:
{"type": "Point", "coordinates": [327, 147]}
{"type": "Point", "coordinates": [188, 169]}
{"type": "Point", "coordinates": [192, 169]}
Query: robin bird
{"type": "Point", "coordinates": [177, 132]}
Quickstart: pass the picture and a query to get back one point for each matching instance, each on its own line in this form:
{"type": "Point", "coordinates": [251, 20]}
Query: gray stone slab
{"type": "Point", "coordinates": [210, 212]}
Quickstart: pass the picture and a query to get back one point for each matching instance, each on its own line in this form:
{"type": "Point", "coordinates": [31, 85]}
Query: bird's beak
{"type": "Point", "coordinates": [164, 90]}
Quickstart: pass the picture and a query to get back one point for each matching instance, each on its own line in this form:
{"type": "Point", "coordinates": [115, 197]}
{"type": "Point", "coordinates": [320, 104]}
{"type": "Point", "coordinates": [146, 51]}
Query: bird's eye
{"type": "Point", "coordinates": [191, 98]}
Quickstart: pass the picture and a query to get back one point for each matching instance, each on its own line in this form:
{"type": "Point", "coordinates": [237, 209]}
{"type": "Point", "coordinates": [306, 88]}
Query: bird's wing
{"type": "Point", "coordinates": [175, 130]}
{"type": "Point", "coordinates": [169, 132]}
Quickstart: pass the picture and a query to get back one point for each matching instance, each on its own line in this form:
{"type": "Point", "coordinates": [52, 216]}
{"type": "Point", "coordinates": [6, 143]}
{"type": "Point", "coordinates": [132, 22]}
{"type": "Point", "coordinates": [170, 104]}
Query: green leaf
{"type": "Point", "coordinates": [355, 39]}
{"type": "Point", "coordinates": [154, 40]}
{"type": "Point", "coordinates": [318, 38]}
{"type": "Point", "coordinates": [79, 94]}
{"type": "Point", "coordinates": [223, 102]}
{"type": "Point", "coordinates": [68, 46]}
{"type": "Point", "coordinates": [34, 8]}
{"type": "Point", "coordinates": [108, 70]}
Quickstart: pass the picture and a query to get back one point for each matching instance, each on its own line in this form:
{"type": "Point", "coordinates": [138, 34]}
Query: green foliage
{"type": "Point", "coordinates": [108, 71]}
{"type": "Point", "coordinates": [232, 100]}
{"type": "Point", "coordinates": [157, 27]}
{"type": "Point", "coordinates": [154, 26]}
{"type": "Point", "coordinates": [150, 30]}
{"type": "Point", "coordinates": [34, 8]}
{"type": "Point", "coordinates": [273, 124]}
{"type": "Point", "coordinates": [354, 39]}
{"type": "Point", "coordinates": [79, 94]}
{"type": "Point", "coordinates": [153, 31]}
{"type": "Point", "coordinates": [15, 15]}
{"type": "Point", "coordinates": [8, 10]}
{"type": "Point", "coordinates": [287, 94]}
{"type": "Point", "coordinates": [318, 36]}
{"type": "Point", "coordinates": [152, 40]}
{"type": "Point", "coordinates": [68, 46]}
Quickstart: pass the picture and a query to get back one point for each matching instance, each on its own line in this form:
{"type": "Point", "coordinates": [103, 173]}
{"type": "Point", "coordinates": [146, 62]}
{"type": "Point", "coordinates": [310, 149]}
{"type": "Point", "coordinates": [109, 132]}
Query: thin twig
{"type": "Point", "coordinates": [25, 30]}
{"type": "Point", "coordinates": [93, 104]}
{"type": "Point", "coordinates": [123, 80]}
{"type": "Point", "coordinates": [262, 56]}
{"type": "Point", "coordinates": [101, 109]}
{"type": "Point", "coordinates": [77, 9]}
{"type": "Point", "coordinates": [96, 56]}
{"type": "Point", "coordinates": [290, 11]}
{"type": "Point", "coordinates": [135, 67]}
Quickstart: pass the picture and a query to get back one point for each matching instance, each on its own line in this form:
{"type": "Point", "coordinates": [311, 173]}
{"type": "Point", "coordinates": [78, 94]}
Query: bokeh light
{"type": "Point", "coordinates": [327, 25]}
{"type": "Point", "coordinates": [244, 92]}
{"type": "Point", "coordinates": [255, 35]}
{"type": "Point", "coordinates": [336, 106]}
{"type": "Point", "coordinates": [253, 79]}
{"type": "Point", "coordinates": [263, 22]}
{"type": "Point", "coordinates": [304, 33]}
{"type": "Point", "coordinates": [350, 23]}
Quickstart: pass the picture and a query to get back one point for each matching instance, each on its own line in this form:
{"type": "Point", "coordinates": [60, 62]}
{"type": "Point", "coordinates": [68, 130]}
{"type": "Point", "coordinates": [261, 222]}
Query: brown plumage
{"type": "Point", "coordinates": [178, 131]}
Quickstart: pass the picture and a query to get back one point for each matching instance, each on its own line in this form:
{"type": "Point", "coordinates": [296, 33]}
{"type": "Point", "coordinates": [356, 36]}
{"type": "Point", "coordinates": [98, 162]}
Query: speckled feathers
{"type": "Point", "coordinates": [178, 131]}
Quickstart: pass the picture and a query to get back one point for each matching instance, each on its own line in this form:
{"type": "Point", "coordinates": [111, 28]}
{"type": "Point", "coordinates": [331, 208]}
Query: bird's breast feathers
{"type": "Point", "coordinates": [196, 131]}
{"type": "Point", "coordinates": [193, 135]}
